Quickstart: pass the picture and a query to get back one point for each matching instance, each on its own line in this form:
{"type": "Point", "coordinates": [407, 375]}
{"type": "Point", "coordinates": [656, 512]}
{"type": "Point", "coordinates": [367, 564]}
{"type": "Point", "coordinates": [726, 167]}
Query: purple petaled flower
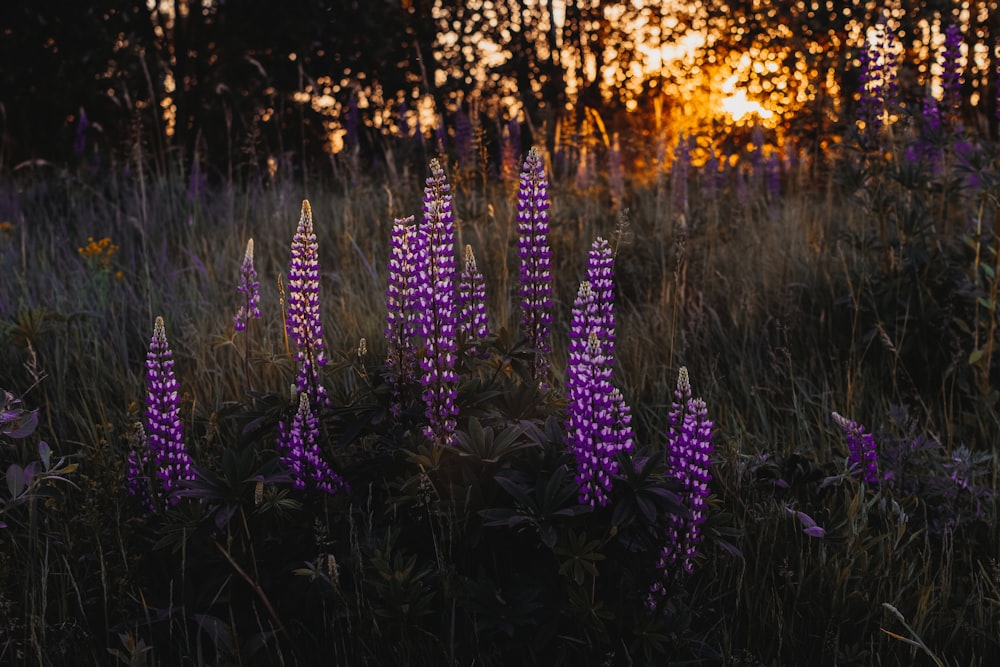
{"type": "Point", "coordinates": [951, 79]}
{"type": "Point", "coordinates": [679, 179]}
{"type": "Point", "coordinates": [598, 422]}
{"type": "Point", "coordinates": [250, 288]}
{"type": "Point", "coordinates": [408, 261]}
{"type": "Point", "coordinates": [510, 149]}
{"type": "Point", "coordinates": [536, 260]}
{"type": "Point", "coordinates": [169, 456]}
{"type": "Point", "coordinates": [298, 444]}
{"type": "Point", "coordinates": [877, 87]}
{"type": "Point", "coordinates": [861, 447]}
{"type": "Point", "coordinates": [464, 140]}
{"type": "Point", "coordinates": [689, 446]}
{"type": "Point", "coordinates": [80, 138]}
{"type": "Point", "coordinates": [352, 121]}
{"type": "Point", "coordinates": [616, 172]}
{"type": "Point", "coordinates": [303, 319]}
{"type": "Point", "coordinates": [137, 473]}
{"type": "Point", "coordinates": [438, 316]}
{"type": "Point", "coordinates": [471, 300]}
{"type": "Point", "coordinates": [601, 276]}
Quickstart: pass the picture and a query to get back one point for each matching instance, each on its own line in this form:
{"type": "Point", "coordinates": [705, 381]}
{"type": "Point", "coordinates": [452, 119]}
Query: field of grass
{"type": "Point", "coordinates": [864, 284]}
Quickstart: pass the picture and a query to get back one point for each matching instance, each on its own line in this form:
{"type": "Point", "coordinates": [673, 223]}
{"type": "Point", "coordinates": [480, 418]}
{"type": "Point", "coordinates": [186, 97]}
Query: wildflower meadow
{"type": "Point", "coordinates": [631, 402]}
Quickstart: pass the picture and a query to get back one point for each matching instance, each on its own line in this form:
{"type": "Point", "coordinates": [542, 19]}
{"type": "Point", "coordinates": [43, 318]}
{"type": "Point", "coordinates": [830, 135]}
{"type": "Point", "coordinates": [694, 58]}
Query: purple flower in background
{"type": "Point", "coordinates": [438, 317]}
{"type": "Point", "coordinates": [951, 79]}
{"type": "Point", "coordinates": [169, 456]}
{"type": "Point", "coordinates": [689, 446]}
{"type": "Point", "coordinates": [352, 121]}
{"type": "Point", "coordinates": [861, 448]}
{"type": "Point", "coordinates": [679, 179]}
{"type": "Point", "coordinates": [138, 481]}
{"type": "Point", "coordinates": [249, 286]}
{"type": "Point", "coordinates": [536, 260]}
{"type": "Point", "coordinates": [877, 88]}
{"type": "Point", "coordinates": [298, 444]}
{"type": "Point", "coordinates": [772, 170]}
{"type": "Point", "coordinates": [510, 151]}
{"type": "Point", "coordinates": [463, 140]}
{"type": "Point", "coordinates": [303, 318]}
{"type": "Point", "coordinates": [408, 261]}
{"type": "Point", "coordinates": [616, 172]}
{"type": "Point", "coordinates": [80, 137]}
{"type": "Point", "coordinates": [471, 300]}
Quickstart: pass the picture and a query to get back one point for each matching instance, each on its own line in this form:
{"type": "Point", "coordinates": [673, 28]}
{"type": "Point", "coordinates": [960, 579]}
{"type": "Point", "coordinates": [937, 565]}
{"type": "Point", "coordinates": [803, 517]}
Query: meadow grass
{"type": "Point", "coordinates": [863, 299]}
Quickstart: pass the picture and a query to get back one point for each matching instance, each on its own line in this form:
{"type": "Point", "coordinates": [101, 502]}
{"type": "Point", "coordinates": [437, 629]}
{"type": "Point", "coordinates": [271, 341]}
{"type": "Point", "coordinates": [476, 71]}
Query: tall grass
{"type": "Point", "coordinates": [849, 293]}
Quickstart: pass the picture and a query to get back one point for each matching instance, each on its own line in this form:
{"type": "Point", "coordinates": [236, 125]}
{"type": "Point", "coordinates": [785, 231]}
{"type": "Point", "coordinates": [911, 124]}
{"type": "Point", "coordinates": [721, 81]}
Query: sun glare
{"type": "Point", "coordinates": [738, 106]}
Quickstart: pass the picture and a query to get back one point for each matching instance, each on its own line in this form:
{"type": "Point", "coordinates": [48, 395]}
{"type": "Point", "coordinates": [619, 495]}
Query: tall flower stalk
{"type": "Point", "coordinates": [951, 80]}
{"type": "Point", "coordinates": [598, 422]}
{"type": "Point", "coordinates": [160, 447]}
{"type": "Point", "coordinates": [472, 319]}
{"type": "Point", "coordinates": [437, 323]}
{"type": "Point", "coordinates": [249, 288]}
{"type": "Point", "coordinates": [536, 261]}
{"type": "Point", "coordinates": [862, 456]}
{"type": "Point", "coordinates": [303, 317]}
{"type": "Point", "coordinates": [877, 87]}
{"type": "Point", "coordinates": [408, 261]}
{"type": "Point", "coordinates": [298, 444]}
{"type": "Point", "coordinates": [689, 446]}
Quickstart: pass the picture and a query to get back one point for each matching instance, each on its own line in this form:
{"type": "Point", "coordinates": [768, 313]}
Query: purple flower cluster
{"type": "Point", "coordinates": [598, 422]}
{"type": "Point", "coordinates": [298, 444]}
{"type": "Point", "coordinates": [438, 310]}
{"type": "Point", "coordinates": [407, 272]}
{"type": "Point", "coordinates": [861, 447]}
{"type": "Point", "coordinates": [877, 88]}
{"type": "Point", "coordinates": [536, 260]}
{"type": "Point", "coordinates": [689, 446]}
{"type": "Point", "coordinates": [951, 79]}
{"type": "Point", "coordinates": [249, 286]}
{"type": "Point", "coordinates": [471, 300]}
{"type": "Point", "coordinates": [303, 318]}
{"type": "Point", "coordinates": [163, 449]}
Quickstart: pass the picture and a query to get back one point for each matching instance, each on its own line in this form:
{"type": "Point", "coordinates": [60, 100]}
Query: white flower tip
{"type": "Point", "coordinates": [683, 381]}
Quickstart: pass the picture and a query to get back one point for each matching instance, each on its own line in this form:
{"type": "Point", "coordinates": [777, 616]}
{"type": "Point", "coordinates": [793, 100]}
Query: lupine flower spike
{"type": "Point", "coordinates": [438, 317]}
{"type": "Point", "coordinates": [303, 318]}
{"type": "Point", "coordinates": [298, 443]}
{"type": "Point", "coordinates": [689, 446]}
{"type": "Point", "coordinates": [598, 422]}
{"type": "Point", "coordinates": [472, 318]}
{"type": "Point", "coordinates": [877, 84]}
{"type": "Point", "coordinates": [861, 446]}
{"type": "Point", "coordinates": [169, 457]}
{"type": "Point", "coordinates": [536, 260]}
{"type": "Point", "coordinates": [405, 304]}
{"type": "Point", "coordinates": [249, 287]}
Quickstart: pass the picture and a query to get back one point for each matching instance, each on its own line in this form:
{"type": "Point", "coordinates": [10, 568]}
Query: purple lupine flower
{"type": "Point", "coordinates": [352, 121]}
{"type": "Point", "coordinates": [616, 172]}
{"type": "Point", "coordinates": [408, 262]}
{"type": "Point", "coordinates": [772, 171]}
{"type": "Point", "coordinates": [169, 456]}
{"type": "Point", "coordinates": [249, 286]}
{"type": "Point", "coordinates": [138, 481]}
{"type": "Point", "coordinates": [585, 168]}
{"type": "Point", "coordinates": [303, 318]}
{"type": "Point", "coordinates": [951, 79]}
{"type": "Point", "coordinates": [877, 87]}
{"type": "Point", "coordinates": [471, 300]}
{"type": "Point", "coordinates": [621, 418]}
{"type": "Point", "coordinates": [536, 260]}
{"type": "Point", "coordinates": [679, 179]}
{"type": "Point", "coordinates": [298, 444]}
{"type": "Point", "coordinates": [601, 276]}
{"type": "Point", "coordinates": [464, 140]}
{"type": "Point", "coordinates": [510, 149]}
{"type": "Point", "coordinates": [861, 447]}
{"type": "Point", "coordinates": [80, 137]}
{"type": "Point", "coordinates": [689, 446]}
{"type": "Point", "coordinates": [438, 317]}
{"type": "Point", "coordinates": [589, 420]}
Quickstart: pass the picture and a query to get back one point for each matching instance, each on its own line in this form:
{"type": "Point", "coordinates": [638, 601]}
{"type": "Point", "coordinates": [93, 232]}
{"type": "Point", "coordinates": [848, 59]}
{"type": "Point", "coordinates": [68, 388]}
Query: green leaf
{"type": "Point", "coordinates": [975, 356]}
{"type": "Point", "coordinates": [15, 480]}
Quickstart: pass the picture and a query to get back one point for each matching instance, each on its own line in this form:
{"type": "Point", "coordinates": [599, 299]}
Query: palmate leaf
{"type": "Point", "coordinates": [488, 447]}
